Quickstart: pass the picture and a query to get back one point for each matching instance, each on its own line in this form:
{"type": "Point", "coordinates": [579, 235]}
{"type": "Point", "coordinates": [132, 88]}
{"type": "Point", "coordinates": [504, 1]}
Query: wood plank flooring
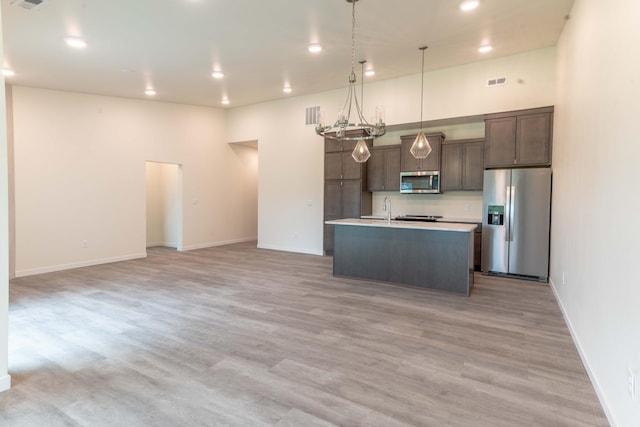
{"type": "Point", "coordinates": [237, 336]}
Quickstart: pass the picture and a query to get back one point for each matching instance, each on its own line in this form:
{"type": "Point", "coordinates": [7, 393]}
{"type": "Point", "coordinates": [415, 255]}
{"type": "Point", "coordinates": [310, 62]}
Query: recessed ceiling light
{"type": "Point", "coordinates": [369, 73]}
{"type": "Point", "coordinates": [7, 72]}
{"type": "Point", "coordinates": [217, 74]}
{"type": "Point", "coordinates": [75, 42]}
{"type": "Point", "coordinates": [468, 5]}
{"type": "Point", "coordinates": [286, 89]}
{"type": "Point", "coordinates": [315, 48]}
{"type": "Point", "coordinates": [225, 101]}
{"type": "Point", "coordinates": [149, 92]}
{"type": "Point", "coordinates": [486, 48]}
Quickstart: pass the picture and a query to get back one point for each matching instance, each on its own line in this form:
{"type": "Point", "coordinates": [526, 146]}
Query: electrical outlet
{"type": "Point", "coordinates": [85, 243]}
{"type": "Point", "coordinates": [632, 384]}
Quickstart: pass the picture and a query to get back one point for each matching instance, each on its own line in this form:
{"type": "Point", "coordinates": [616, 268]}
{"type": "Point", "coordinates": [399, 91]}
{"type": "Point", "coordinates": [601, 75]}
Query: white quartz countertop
{"type": "Point", "coordinates": [435, 226]}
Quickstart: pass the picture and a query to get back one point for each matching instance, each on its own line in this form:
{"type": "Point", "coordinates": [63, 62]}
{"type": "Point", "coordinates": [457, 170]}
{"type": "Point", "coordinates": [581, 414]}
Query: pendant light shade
{"type": "Point", "coordinates": [361, 153]}
{"type": "Point", "coordinates": [420, 149]}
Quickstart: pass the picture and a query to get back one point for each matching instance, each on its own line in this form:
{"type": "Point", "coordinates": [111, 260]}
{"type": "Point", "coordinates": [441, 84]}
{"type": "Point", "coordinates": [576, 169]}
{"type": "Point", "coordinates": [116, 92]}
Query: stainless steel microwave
{"type": "Point", "coordinates": [420, 182]}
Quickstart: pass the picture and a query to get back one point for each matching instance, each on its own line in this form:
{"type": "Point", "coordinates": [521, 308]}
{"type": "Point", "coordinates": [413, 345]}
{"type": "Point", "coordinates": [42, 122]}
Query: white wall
{"type": "Point", "coordinates": [291, 155]}
{"type": "Point", "coordinates": [164, 204]}
{"type": "Point", "coordinates": [80, 175]}
{"type": "Point", "coordinates": [5, 379]}
{"type": "Point", "coordinates": [595, 242]}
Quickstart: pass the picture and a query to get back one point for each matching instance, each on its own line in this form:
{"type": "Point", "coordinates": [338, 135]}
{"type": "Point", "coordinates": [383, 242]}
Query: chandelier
{"type": "Point", "coordinates": [360, 130]}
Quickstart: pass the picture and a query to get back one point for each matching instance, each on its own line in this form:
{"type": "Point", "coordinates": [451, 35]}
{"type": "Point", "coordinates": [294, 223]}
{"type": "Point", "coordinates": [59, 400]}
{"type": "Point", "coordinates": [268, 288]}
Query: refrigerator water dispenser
{"type": "Point", "coordinates": [495, 215]}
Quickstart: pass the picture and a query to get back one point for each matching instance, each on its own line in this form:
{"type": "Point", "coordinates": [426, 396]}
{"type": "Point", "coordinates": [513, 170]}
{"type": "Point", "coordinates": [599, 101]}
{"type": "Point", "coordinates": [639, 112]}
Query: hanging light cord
{"type": "Point", "coordinates": [353, 37]}
{"type": "Point", "coordinates": [423, 48]}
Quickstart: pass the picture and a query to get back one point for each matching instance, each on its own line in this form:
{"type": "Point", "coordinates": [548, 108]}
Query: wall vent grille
{"type": "Point", "coordinates": [497, 81]}
{"type": "Point", "coordinates": [311, 116]}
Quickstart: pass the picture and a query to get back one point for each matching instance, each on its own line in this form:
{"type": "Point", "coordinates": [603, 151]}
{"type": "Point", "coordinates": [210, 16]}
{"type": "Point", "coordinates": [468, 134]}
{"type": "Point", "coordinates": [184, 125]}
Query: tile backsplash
{"type": "Point", "coordinates": [456, 204]}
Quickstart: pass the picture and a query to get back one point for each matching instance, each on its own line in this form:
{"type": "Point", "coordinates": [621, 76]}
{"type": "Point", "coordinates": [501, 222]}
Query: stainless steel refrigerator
{"type": "Point", "coordinates": [516, 222]}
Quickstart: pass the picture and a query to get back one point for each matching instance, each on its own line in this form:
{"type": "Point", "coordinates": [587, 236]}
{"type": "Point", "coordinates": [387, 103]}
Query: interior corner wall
{"type": "Point", "coordinates": [595, 229]}
{"type": "Point", "coordinates": [80, 175]}
{"type": "Point", "coordinates": [5, 379]}
{"type": "Point", "coordinates": [291, 155]}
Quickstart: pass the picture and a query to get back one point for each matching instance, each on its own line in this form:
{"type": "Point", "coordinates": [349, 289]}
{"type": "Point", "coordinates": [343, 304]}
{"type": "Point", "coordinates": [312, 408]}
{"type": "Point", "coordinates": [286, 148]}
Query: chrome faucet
{"type": "Point", "coordinates": [387, 208]}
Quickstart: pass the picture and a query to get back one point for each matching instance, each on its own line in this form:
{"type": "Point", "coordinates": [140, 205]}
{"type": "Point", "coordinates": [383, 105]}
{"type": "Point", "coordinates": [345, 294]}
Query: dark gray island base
{"type": "Point", "coordinates": [428, 255]}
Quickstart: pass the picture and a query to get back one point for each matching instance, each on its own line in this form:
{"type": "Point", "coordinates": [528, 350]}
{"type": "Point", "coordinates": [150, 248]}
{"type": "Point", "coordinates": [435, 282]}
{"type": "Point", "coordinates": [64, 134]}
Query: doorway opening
{"type": "Point", "coordinates": [164, 204]}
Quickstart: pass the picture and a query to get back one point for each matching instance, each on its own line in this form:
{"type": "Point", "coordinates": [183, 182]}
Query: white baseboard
{"type": "Point", "coordinates": [88, 263]}
{"type": "Point", "coordinates": [213, 244]}
{"type": "Point", "coordinates": [585, 361]}
{"type": "Point", "coordinates": [290, 249]}
{"type": "Point", "coordinates": [5, 383]}
{"type": "Point", "coordinates": [163, 244]}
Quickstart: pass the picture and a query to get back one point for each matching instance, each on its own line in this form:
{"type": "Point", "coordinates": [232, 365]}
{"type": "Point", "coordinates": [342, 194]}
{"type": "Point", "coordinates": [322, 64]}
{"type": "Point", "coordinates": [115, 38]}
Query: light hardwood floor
{"type": "Point", "coordinates": [237, 336]}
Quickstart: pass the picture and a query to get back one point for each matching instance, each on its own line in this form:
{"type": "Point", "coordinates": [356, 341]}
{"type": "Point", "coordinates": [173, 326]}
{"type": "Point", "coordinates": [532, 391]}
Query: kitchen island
{"type": "Point", "coordinates": [433, 255]}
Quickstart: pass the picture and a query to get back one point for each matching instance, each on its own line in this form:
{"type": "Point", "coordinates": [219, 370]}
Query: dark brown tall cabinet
{"type": "Point", "coordinates": [462, 165]}
{"type": "Point", "coordinates": [383, 169]}
{"type": "Point", "coordinates": [345, 187]}
{"type": "Point", "coordinates": [518, 138]}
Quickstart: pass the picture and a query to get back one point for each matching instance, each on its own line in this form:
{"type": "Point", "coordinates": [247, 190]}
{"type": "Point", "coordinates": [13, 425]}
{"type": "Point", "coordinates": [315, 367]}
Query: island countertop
{"type": "Point", "coordinates": [415, 225]}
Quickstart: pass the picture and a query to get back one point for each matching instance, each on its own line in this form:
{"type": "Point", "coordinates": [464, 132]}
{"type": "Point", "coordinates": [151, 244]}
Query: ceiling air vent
{"type": "Point", "coordinates": [311, 115]}
{"type": "Point", "coordinates": [498, 81]}
{"type": "Point", "coordinates": [27, 4]}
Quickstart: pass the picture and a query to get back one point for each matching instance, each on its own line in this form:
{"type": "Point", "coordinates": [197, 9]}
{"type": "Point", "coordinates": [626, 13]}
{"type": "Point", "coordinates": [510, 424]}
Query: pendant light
{"type": "Point", "coordinates": [361, 129]}
{"type": "Point", "coordinates": [361, 152]}
{"type": "Point", "coordinates": [420, 149]}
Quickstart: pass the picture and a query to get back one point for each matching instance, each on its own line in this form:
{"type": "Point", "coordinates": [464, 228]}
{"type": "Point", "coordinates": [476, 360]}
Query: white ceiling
{"type": "Point", "coordinates": [174, 45]}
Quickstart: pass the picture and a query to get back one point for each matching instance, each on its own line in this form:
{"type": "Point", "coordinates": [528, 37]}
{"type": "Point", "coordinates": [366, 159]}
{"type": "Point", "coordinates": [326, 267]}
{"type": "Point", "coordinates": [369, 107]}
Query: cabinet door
{"type": "Point", "coordinates": [332, 145]}
{"type": "Point", "coordinates": [477, 248]}
{"type": "Point", "coordinates": [333, 165]}
{"type": "Point", "coordinates": [451, 173]}
{"type": "Point", "coordinates": [500, 141]}
{"type": "Point", "coordinates": [432, 163]}
{"type": "Point", "coordinates": [332, 200]}
{"type": "Point", "coordinates": [472, 166]}
{"type": "Point", "coordinates": [328, 239]}
{"type": "Point", "coordinates": [376, 170]}
{"type": "Point", "coordinates": [392, 169]}
{"type": "Point", "coordinates": [533, 139]}
{"type": "Point", "coordinates": [350, 168]}
{"type": "Point", "coordinates": [408, 163]}
{"type": "Point", "coordinates": [351, 198]}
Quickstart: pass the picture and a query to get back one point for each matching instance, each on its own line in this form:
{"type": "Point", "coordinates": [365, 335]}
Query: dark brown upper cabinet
{"type": "Point", "coordinates": [383, 169]}
{"type": "Point", "coordinates": [408, 163]}
{"type": "Point", "coordinates": [462, 166]}
{"type": "Point", "coordinates": [518, 138]}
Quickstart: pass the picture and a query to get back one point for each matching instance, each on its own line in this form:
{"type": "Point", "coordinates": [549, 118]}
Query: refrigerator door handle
{"type": "Point", "coordinates": [507, 214]}
{"type": "Point", "coordinates": [512, 203]}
